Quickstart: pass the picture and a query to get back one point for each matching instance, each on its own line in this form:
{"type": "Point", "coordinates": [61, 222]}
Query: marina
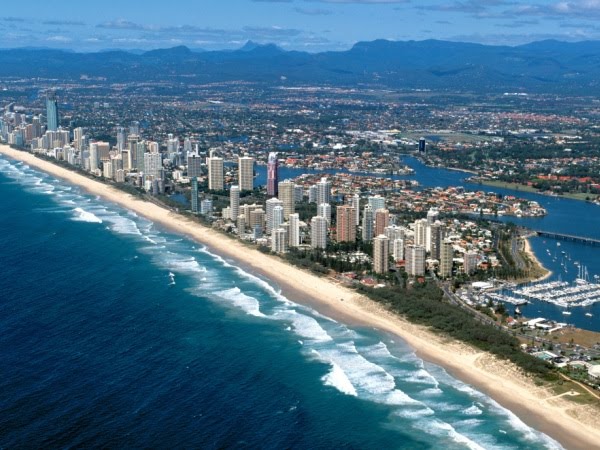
{"type": "Point", "coordinates": [565, 294]}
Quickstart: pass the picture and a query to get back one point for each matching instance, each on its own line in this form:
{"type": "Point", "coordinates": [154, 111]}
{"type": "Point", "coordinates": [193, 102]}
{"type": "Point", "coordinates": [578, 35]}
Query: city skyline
{"type": "Point", "coordinates": [311, 26]}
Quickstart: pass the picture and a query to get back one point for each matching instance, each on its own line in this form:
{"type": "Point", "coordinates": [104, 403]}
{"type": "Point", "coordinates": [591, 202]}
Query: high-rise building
{"type": "Point", "coordinates": [172, 144]}
{"type": "Point", "coordinates": [376, 202]}
{"type": "Point", "coordinates": [436, 232]}
{"type": "Point", "coordinates": [422, 145]}
{"type": "Point", "coordinates": [345, 228]}
{"type": "Point", "coordinates": [257, 222]}
{"type": "Point", "coordinates": [318, 232]}
{"type": "Point", "coordinates": [234, 202]}
{"type": "Point", "coordinates": [398, 249]}
{"type": "Point", "coordinates": [279, 240]}
{"type": "Point", "coordinates": [324, 210]}
{"type": "Point", "coordinates": [323, 191]}
{"type": "Point", "coordinates": [194, 165]}
{"type": "Point", "coordinates": [277, 221]}
{"type": "Point", "coordinates": [132, 142]}
{"type": "Point", "coordinates": [52, 112]}
{"type": "Point", "coordinates": [270, 206]}
{"type": "Point", "coordinates": [206, 207]}
{"type": "Point", "coordinates": [312, 194]}
{"type": "Point", "coordinates": [287, 195]}
{"type": "Point", "coordinates": [415, 260]}
{"type": "Point", "coordinates": [121, 138]}
{"type": "Point", "coordinates": [94, 159]}
{"type": "Point", "coordinates": [355, 202]}
{"type": "Point", "coordinates": [77, 138]}
{"type": "Point", "coordinates": [381, 248]}
{"type": "Point", "coordinates": [298, 193]}
{"type": "Point", "coordinates": [294, 230]}
{"type": "Point", "coordinates": [420, 232]}
{"type": "Point", "coordinates": [194, 199]}
{"type": "Point", "coordinates": [215, 172]}
{"type": "Point", "coordinates": [272, 175]}
{"type": "Point", "coordinates": [382, 220]}
{"type": "Point", "coordinates": [139, 152]}
{"type": "Point", "coordinates": [432, 216]}
{"type": "Point", "coordinates": [446, 260]}
{"type": "Point", "coordinates": [367, 224]}
{"type": "Point", "coordinates": [471, 259]}
{"type": "Point", "coordinates": [246, 173]}
{"type": "Point", "coordinates": [153, 166]}
{"type": "Point", "coordinates": [134, 128]}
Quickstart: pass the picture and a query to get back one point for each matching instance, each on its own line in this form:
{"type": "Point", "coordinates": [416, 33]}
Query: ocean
{"type": "Point", "coordinates": [115, 332]}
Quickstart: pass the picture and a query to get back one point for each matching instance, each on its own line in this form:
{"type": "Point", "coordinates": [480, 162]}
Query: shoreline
{"type": "Point", "coordinates": [531, 254]}
{"type": "Point", "coordinates": [497, 379]}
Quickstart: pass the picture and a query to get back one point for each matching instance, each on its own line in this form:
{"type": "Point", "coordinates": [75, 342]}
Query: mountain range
{"type": "Point", "coordinates": [539, 67]}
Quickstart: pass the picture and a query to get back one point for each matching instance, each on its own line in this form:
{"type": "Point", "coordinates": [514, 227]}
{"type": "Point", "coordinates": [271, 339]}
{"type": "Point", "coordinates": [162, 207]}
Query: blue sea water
{"type": "Point", "coordinates": [117, 333]}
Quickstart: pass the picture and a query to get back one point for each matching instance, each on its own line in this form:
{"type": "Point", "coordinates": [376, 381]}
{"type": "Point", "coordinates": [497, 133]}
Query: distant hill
{"type": "Point", "coordinates": [540, 67]}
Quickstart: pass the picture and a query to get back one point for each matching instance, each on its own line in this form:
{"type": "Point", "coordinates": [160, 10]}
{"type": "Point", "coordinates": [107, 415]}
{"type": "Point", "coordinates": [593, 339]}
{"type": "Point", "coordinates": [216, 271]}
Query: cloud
{"type": "Point", "coordinates": [59, 39]}
{"type": "Point", "coordinates": [313, 12]}
{"type": "Point", "coordinates": [64, 22]}
{"type": "Point", "coordinates": [13, 19]}
{"type": "Point", "coordinates": [121, 24]}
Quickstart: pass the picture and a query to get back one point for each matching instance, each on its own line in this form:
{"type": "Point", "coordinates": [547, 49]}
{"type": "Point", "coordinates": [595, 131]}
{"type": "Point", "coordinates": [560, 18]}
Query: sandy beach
{"type": "Point", "coordinates": [531, 254]}
{"type": "Point", "coordinates": [574, 426]}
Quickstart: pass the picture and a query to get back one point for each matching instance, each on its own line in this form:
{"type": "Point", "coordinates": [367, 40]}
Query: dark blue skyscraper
{"type": "Point", "coordinates": [52, 112]}
{"type": "Point", "coordinates": [422, 145]}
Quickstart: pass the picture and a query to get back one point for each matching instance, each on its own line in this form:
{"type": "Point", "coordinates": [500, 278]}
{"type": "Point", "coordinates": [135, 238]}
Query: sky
{"type": "Point", "coordinates": [307, 25]}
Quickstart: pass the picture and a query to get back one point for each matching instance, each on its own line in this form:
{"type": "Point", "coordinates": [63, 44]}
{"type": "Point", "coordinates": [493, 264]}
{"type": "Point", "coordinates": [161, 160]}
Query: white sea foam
{"type": "Point", "coordinates": [248, 304]}
{"type": "Point", "coordinates": [184, 264]}
{"type": "Point", "coordinates": [303, 325]}
{"type": "Point", "coordinates": [81, 215]}
{"type": "Point", "coordinates": [368, 378]}
{"type": "Point", "coordinates": [472, 411]}
{"type": "Point", "coordinates": [439, 428]}
{"type": "Point", "coordinates": [337, 378]}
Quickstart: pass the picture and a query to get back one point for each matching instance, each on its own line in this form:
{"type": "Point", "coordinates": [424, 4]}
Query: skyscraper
{"type": "Point", "coordinates": [446, 259]}
{"type": "Point", "coordinates": [415, 260]}
{"type": "Point", "coordinates": [420, 232]}
{"type": "Point", "coordinates": [323, 191]}
{"type": "Point", "coordinates": [121, 138]}
{"type": "Point", "coordinates": [270, 206]}
{"type": "Point", "coordinates": [52, 112]}
{"type": "Point", "coordinates": [470, 262]}
{"type": "Point", "coordinates": [356, 205]}
{"type": "Point", "coordinates": [272, 175]}
{"type": "Point", "coordinates": [246, 173]}
{"type": "Point", "coordinates": [367, 225]}
{"type": "Point", "coordinates": [382, 220]}
{"type": "Point", "coordinates": [194, 195]}
{"type": "Point", "coordinates": [215, 172]}
{"type": "Point", "coordinates": [345, 228]}
{"type": "Point", "coordinates": [286, 193]}
{"type": "Point", "coordinates": [234, 202]}
{"type": "Point", "coordinates": [398, 249]}
{"type": "Point", "coordinates": [294, 230]}
{"type": "Point", "coordinates": [318, 232]}
{"type": "Point", "coordinates": [422, 145]}
{"type": "Point", "coordinates": [324, 210]}
{"type": "Point", "coordinates": [194, 165]}
{"type": "Point", "coordinates": [381, 247]}
{"type": "Point", "coordinates": [279, 240]}
{"type": "Point", "coordinates": [376, 202]}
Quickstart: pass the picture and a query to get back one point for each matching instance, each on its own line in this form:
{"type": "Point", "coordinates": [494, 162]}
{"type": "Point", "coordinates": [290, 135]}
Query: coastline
{"type": "Point", "coordinates": [531, 254]}
{"type": "Point", "coordinates": [498, 379]}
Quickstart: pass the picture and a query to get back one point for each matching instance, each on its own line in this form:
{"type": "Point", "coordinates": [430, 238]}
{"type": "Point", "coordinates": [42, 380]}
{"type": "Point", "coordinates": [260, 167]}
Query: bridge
{"type": "Point", "coordinates": [569, 237]}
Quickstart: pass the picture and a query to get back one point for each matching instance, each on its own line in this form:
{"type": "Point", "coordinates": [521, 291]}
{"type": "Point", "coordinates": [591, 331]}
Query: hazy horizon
{"type": "Point", "coordinates": [307, 25]}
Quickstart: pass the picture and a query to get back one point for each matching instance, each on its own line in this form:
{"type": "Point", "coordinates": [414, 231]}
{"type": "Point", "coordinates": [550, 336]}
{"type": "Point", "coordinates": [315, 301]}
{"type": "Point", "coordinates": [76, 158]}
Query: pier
{"type": "Point", "coordinates": [569, 237]}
